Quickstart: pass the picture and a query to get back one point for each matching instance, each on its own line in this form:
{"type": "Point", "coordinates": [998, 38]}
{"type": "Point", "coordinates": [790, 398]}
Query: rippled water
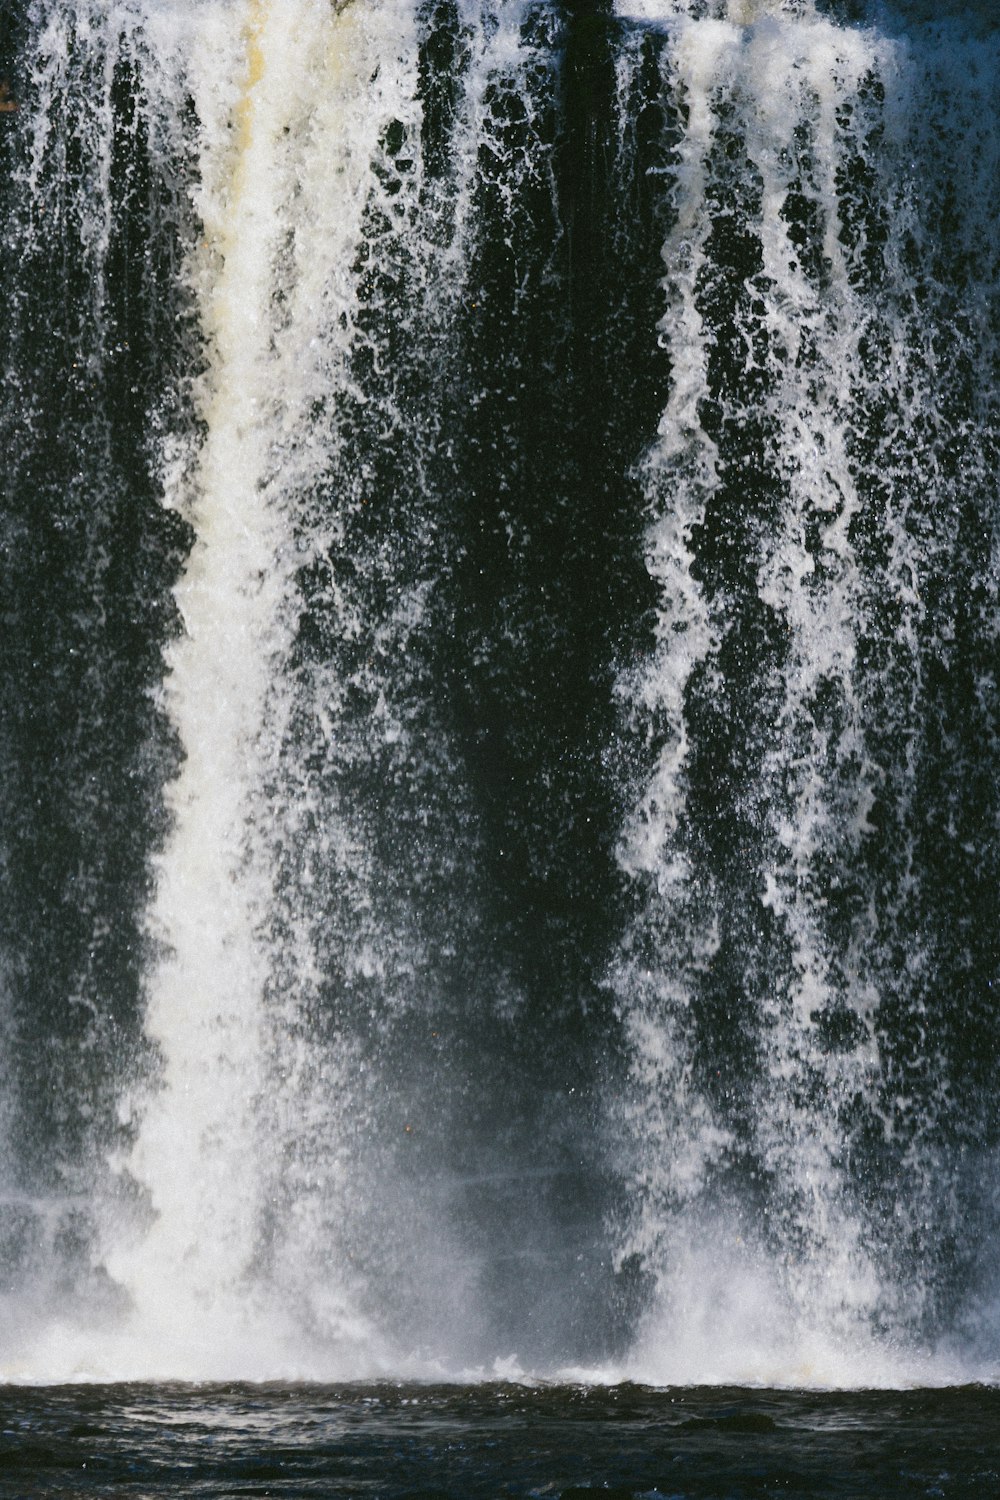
{"type": "Point", "coordinates": [497, 1440]}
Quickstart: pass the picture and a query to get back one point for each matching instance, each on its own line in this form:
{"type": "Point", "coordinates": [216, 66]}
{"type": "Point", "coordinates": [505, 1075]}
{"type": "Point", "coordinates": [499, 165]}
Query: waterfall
{"type": "Point", "coordinates": [805, 518]}
{"type": "Point", "coordinates": [502, 567]}
{"type": "Point", "coordinates": [295, 85]}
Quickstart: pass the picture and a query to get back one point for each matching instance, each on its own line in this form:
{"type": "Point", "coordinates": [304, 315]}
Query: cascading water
{"type": "Point", "coordinates": [754, 435]}
{"type": "Point", "coordinates": [501, 729]}
{"type": "Point", "coordinates": [822, 481]}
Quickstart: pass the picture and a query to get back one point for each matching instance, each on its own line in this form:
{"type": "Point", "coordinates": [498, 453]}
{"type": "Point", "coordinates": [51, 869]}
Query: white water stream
{"type": "Point", "coordinates": [805, 98]}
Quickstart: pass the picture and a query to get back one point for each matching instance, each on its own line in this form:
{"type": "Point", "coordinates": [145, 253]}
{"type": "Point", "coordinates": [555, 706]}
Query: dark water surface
{"type": "Point", "coordinates": [496, 1440]}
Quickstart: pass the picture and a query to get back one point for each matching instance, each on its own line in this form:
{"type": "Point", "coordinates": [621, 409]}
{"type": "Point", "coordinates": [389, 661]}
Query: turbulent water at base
{"type": "Point", "coordinates": [400, 1439]}
{"type": "Point", "coordinates": [500, 739]}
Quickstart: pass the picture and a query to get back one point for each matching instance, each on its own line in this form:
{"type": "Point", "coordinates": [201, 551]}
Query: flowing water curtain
{"type": "Point", "coordinates": [914, 737]}
{"type": "Point", "coordinates": [821, 1056]}
{"type": "Point", "coordinates": [312, 1137]}
{"type": "Point", "coordinates": [95, 344]}
{"type": "Point", "coordinates": [317, 895]}
{"type": "Point", "coordinates": [492, 1150]}
{"type": "Point", "coordinates": [925, 449]}
{"type": "Point", "coordinates": [366, 294]}
{"type": "Point", "coordinates": [378, 863]}
{"type": "Point", "coordinates": [373, 850]}
{"type": "Point", "coordinates": [682, 1135]}
{"type": "Point", "coordinates": [770, 979]}
{"type": "Point", "coordinates": [403, 926]}
{"type": "Point", "coordinates": [296, 232]}
{"type": "Point", "coordinates": [311, 567]}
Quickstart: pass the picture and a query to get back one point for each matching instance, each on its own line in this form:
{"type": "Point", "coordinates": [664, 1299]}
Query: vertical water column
{"type": "Point", "coordinates": [795, 1043]}
{"type": "Point", "coordinates": [806, 88]}
{"type": "Point", "coordinates": [196, 1151]}
{"type": "Point", "coordinates": [677, 1134]}
{"type": "Point", "coordinates": [890, 621]}
{"type": "Point", "coordinates": [369, 929]}
{"type": "Point", "coordinates": [760, 785]}
{"type": "Point", "coordinates": [924, 436]}
{"type": "Point", "coordinates": [273, 88]}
